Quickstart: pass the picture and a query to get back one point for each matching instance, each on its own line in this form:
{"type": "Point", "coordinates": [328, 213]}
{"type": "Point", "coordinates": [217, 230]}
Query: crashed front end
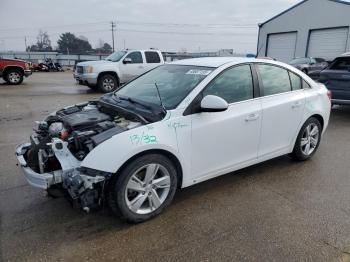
{"type": "Point", "coordinates": [58, 146]}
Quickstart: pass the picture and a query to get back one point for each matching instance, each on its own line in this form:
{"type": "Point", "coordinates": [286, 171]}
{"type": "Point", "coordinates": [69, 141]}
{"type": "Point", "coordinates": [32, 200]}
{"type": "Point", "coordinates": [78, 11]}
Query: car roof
{"type": "Point", "coordinates": [214, 61]}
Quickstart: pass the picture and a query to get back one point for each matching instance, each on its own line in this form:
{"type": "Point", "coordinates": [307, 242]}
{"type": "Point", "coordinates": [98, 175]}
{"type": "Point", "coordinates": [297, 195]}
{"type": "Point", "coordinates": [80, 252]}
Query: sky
{"type": "Point", "coordinates": [169, 25]}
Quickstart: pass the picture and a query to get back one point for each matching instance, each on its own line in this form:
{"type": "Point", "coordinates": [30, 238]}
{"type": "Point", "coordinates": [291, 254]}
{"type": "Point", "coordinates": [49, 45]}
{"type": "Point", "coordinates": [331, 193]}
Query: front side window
{"type": "Point", "coordinates": [233, 85]}
{"type": "Point", "coordinates": [275, 80]}
{"type": "Point", "coordinates": [295, 81]}
{"type": "Point", "coordinates": [152, 57]}
{"type": "Point", "coordinates": [136, 58]}
{"type": "Point", "coordinates": [174, 83]}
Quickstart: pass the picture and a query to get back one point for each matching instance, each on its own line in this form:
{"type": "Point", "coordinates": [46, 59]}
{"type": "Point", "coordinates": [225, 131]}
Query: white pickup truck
{"type": "Point", "coordinates": [118, 68]}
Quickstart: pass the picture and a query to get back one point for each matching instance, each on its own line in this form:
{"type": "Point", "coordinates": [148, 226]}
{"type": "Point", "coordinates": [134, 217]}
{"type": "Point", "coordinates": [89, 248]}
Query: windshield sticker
{"type": "Point", "coordinates": [198, 72]}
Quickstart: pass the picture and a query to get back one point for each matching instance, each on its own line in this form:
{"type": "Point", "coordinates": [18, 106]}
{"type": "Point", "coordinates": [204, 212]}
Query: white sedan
{"type": "Point", "coordinates": [173, 127]}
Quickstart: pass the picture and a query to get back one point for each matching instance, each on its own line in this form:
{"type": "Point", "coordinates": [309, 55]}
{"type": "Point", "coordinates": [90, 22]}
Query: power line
{"type": "Point", "coordinates": [141, 31]}
{"type": "Point", "coordinates": [161, 24]}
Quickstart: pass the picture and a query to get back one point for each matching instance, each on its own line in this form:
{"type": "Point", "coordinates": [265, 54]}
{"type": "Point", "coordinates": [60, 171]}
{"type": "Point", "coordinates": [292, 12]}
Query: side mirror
{"type": "Point", "coordinates": [127, 61]}
{"type": "Point", "coordinates": [212, 103]}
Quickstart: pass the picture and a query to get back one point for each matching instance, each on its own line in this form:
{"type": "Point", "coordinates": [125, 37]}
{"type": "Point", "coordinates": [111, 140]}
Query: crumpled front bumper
{"type": "Point", "coordinates": [44, 180]}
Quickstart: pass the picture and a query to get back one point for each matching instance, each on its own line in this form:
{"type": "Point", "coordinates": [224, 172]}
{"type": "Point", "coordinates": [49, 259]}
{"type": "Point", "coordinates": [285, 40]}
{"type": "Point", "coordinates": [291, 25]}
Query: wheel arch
{"type": "Point", "coordinates": [108, 73]}
{"type": "Point", "coordinates": [319, 118]}
{"type": "Point", "coordinates": [169, 155]}
{"type": "Point", "coordinates": [7, 68]}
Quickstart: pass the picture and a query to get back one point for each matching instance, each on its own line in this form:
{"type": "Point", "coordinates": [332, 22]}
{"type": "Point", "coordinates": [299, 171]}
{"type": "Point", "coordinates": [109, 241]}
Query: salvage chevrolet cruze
{"type": "Point", "coordinates": [173, 127]}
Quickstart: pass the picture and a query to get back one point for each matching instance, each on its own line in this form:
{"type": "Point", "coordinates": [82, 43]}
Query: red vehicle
{"type": "Point", "coordinates": [14, 70]}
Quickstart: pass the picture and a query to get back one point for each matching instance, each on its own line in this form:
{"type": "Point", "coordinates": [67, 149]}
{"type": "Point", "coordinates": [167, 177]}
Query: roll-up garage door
{"type": "Point", "coordinates": [282, 46]}
{"type": "Point", "coordinates": [328, 43]}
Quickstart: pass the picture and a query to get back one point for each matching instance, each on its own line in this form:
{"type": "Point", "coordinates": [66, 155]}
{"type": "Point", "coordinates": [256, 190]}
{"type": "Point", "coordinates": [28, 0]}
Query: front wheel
{"type": "Point", "coordinates": [308, 140]}
{"type": "Point", "coordinates": [107, 83]}
{"type": "Point", "coordinates": [13, 77]}
{"type": "Point", "coordinates": [143, 188]}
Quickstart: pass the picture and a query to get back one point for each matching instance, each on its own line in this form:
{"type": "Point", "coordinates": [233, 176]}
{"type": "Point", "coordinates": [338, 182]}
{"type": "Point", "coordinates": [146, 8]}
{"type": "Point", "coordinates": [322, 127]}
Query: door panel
{"type": "Point", "coordinates": [282, 114]}
{"type": "Point", "coordinates": [131, 70]}
{"type": "Point", "coordinates": [225, 139]}
{"type": "Point", "coordinates": [282, 108]}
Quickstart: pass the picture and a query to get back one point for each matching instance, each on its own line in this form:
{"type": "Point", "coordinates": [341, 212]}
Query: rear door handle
{"type": "Point", "coordinates": [252, 117]}
{"type": "Point", "coordinates": [297, 104]}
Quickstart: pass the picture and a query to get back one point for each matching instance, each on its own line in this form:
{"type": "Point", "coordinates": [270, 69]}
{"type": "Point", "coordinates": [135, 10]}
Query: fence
{"type": "Point", "coordinates": [65, 60]}
{"type": "Point", "coordinates": [71, 60]}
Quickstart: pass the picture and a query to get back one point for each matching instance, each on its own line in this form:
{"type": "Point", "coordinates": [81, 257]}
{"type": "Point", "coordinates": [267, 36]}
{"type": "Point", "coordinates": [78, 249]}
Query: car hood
{"type": "Point", "coordinates": [15, 60]}
{"type": "Point", "coordinates": [92, 63]}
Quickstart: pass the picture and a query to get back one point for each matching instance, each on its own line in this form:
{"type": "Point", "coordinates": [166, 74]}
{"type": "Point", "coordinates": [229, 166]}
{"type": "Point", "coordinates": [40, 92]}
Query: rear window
{"type": "Point", "coordinates": [320, 60]}
{"type": "Point", "coordinates": [299, 61]}
{"type": "Point", "coordinates": [341, 63]}
{"type": "Point", "coordinates": [152, 57]}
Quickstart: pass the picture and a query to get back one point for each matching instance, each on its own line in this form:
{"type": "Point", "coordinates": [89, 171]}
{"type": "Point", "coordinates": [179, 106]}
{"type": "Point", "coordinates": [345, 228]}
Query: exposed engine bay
{"type": "Point", "coordinates": [64, 138]}
{"type": "Point", "coordinates": [82, 127]}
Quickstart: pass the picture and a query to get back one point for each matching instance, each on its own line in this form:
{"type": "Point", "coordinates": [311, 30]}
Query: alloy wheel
{"type": "Point", "coordinates": [108, 84]}
{"type": "Point", "coordinates": [310, 139]}
{"type": "Point", "coordinates": [147, 188]}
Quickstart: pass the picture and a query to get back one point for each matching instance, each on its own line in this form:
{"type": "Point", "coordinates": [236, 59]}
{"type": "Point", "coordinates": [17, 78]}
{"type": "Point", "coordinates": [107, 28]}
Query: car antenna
{"type": "Point", "coordinates": [160, 98]}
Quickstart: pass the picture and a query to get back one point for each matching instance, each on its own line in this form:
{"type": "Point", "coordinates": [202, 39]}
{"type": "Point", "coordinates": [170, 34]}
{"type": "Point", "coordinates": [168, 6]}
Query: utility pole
{"type": "Point", "coordinates": [113, 24]}
{"type": "Point", "coordinates": [25, 43]}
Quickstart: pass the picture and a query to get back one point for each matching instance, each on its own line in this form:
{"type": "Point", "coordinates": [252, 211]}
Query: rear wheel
{"type": "Point", "coordinates": [107, 83]}
{"type": "Point", "coordinates": [143, 189]}
{"type": "Point", "coordinates": [13, 77]}
{"type": "Point", "coordinates": [308, 140]}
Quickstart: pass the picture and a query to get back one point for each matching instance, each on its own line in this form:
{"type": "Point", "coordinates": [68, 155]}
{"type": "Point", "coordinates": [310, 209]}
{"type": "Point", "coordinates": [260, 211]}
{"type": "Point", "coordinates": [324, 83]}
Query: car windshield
{"type": "Point", "coordinates": [174, 83]}
{"type": "Point", "coordinates": [116, 56]}
{"type": "Point", "coordinates": [299, 61]}
{"type": "Point", "coordinates": [341, 63]}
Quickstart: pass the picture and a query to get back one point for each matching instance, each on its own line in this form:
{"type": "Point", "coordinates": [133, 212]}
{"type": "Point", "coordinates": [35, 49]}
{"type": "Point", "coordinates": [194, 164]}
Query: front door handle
{"type": "Point", "coordinates": [252, 117]}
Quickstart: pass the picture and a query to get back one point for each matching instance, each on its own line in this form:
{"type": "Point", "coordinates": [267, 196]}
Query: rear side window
{"type": "Point", "coordinates": [275, 80]}
{"type": "Point", "coordinates": [295, 81]}
{"type": "Point", "coordinates": [136, 57]}
{"type": "Point", "coordinates": [152, 57]}
{"type": "Point", "coordinates": [233, 85]}
{"type": "Point", "coordinates": [306, 85]}
{"type": "Point", "coordinates": [341, 63]}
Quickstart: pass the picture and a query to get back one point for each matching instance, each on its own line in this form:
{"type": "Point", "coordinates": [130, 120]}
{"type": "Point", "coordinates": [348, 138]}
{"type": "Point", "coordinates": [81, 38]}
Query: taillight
{"type": "Point", "coordinates": [329, 94]}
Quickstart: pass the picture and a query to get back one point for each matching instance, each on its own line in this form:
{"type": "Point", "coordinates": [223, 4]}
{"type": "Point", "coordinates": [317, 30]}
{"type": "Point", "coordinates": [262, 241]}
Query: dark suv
{"type": "Point", "coordinates": [310, 65]}
{"type": "Point", "coordinates": [337, 79]}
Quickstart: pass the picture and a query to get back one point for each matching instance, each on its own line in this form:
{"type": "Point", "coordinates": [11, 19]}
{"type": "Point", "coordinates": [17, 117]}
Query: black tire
{"type": "Point", "coordinates": [107, 83]}
{"type": "Point", "coordinates": [118, 186]}
{"type": "Point", "coordinates": [298, 153]}
{"type": "Point", "coordinates": [13, 77]}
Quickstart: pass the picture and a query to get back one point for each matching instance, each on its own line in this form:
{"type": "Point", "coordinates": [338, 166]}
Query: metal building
{"type": "Point", "coordinates": [315, 28]}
